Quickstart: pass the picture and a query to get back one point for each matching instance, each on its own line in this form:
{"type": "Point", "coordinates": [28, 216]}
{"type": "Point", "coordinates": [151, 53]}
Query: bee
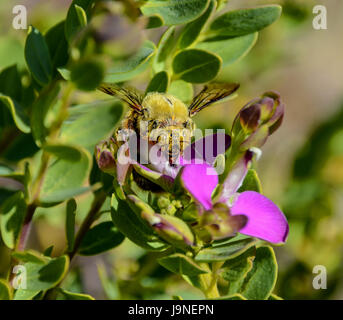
{"type": "Point", "coordinates": [164, 116]}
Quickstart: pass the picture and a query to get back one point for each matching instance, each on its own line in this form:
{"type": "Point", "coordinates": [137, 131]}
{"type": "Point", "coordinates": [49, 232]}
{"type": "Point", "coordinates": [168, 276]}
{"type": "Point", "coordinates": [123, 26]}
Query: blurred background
{"type": "Point", "coordinates": [301, 167]}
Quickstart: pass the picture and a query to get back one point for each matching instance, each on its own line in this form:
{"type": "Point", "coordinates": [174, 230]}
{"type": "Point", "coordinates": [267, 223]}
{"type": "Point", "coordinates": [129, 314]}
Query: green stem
{"type": "Point", "coordinates": [98, 202]}
{"type": "Point", "coordinates": [209, 281]}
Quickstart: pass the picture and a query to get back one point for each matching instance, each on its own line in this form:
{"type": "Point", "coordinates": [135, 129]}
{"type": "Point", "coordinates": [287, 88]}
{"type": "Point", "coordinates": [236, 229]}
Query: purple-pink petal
{"type": "Point", "coordinates": [235, 178]}
{"type": "Point", "coordinates": [200, 180]}
{"type": "Point", "coordinates": [265, 219]}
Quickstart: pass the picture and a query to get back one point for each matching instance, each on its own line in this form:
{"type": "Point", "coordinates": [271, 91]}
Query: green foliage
{"type": "Point", "coordinates": [229, 49]}
{"type": "Point", "coordinates": [18, 114]}
{"type": "Point", "coordinates": [132, 67]}
{"type": "Point", "coordinates": [42, 276]}
{"type": "Point", "coordinates": [12, 217]}
{"type": "Point", "coordinates": [49, 130]}
{"type": "Point", "coordinates": [181, 264]}
{"type": "Point", "coordinates": [196, 66]}
{"type": "Point", "coordinates": [64, 179]}
{"type": "Point", "coordinates": [260, 281]}
{"type": "Point", "coordinates": [100, 238]}
{"type": "Point", "coordinates": [87, 75]}
{"type": "Point", "coordinates": [159, 83]}
{"type": "Point", "coordinates": [244, 21]}
{"type": "Point", "coordinates": [175, 11]}
{"type": "Point", "coordinates": [38, 57]}
{"type": "Point", "coordinates": [5, 290]}
{"type": "Point", "coordinates": [228, 250]}
{"type": "Point", "coordinates": [251, 182]}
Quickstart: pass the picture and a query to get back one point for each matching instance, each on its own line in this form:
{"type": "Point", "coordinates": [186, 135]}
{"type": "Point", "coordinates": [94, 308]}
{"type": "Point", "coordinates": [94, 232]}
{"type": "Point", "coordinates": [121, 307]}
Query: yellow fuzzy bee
{"type": "Point", "coordinates": [163, 112]}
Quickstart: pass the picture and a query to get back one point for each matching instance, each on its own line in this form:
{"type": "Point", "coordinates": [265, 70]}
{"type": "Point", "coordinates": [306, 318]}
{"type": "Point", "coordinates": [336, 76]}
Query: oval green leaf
{"type": "Point", "coordinates": [101, 238]}
{"type": "Point", "coordinates": [159, 83]}
{"type": "Point", "coordinates": [132, 226]}
{"type": "Point", "coordinates": [196, 66]}
{"type": "Point", "coordinates": [175, 11]}
{"type": "Point", "coordinates": [64, 179]}
{"type": "Point", "coordinates": [181, 264]}
{"type": "Point", "coordinates": [226, 251]}
{"type": "Point", "coordinates": [181, 90]}
{"type": "Point", "coordinates": [87, 74]}
{"type": "Point", "coordinates": [6, 292]}
{"type": "Point", "coordinates": [192, 30]}
{"type": "Point", "coordinates": [244, 21]}
{"type": "Point", "coordinates": [18, 114]}
{"type": "Point", "coordinates": [12, 217]}
{"type": "Point", "coordinates": [38, 57]}
{"type": "Point", "coordinates": [76, 18]}
{"type": "Point", "coordinates": [229, 49]}
{"type": "Point", "coordinates": [260, 281]}
{"type": "Point", "coordinates": [133, 66]}
{"type": "Point", "coordinates": [90, 123]}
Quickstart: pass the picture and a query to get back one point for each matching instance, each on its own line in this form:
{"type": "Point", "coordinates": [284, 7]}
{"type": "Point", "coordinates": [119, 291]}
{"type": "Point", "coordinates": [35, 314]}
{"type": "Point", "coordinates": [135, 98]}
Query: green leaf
{"type": "Point", "coordinates": [58, 45]}
{"type": "Point", "coordinates": [226, 251]}
{"type": "Point", "coordinates": [154, 22]}
{"type": "Point", "coordinates": [260, 281]}
{"type": "Point", "coordinates": [38, 57]}
{"type": "Point", "coordinates": [164, 48]}
{"type": "Point", "coordinates": [274, 297]}
{"type": "Point", "coordinates": [70, 224]}
{"type": "Point", "coordinates": [235, 296]}
{"type": "Point", "coordinates": [67, 295]}
{"type": "Point", "coordinates": [76, 18]}
{"type": "Point", "coordinates": [159, 83]}
{"type": "Point", "coordinates": [21, 120]}
{"type": "Point", "coordinates": [65, 152]}
{"type": "Point", "coordinates": [40, 110]}
{"type": "Point", "coordinates": [10, 82]}
{"type": "Point", "coordinates": [25, 294]}
{"type": "Point", "coordinates": [41, 277]}
{"type": "Point", "coordinates": [181, 264]}
{"type": "Point", "coordinates": [235, 270]}
{"type": "Point", "coordinates": [229, 49]}
{"type": "Point", "coordinates": [181, 90]}
{"type": "Point", "coordinates": [87, 74]}
{"type": "Point", "coordinates": [251, 182]}
{"type": "Point", "coordinates": [133, 66]}
{"type": "Point", "coordinates": [196, 66]}
{"type": "Point", "coordinates": [96, 121]}
{"type": "Point", "coordinates": [244, 21]}
{"type": "Point", "coordinates": [64, 179]}
{"type": "Point", "coordinates": [29, 256]}
{"type": "Point", "coordinates": [132, 226]}
{"type": "Point", "coordinates": [175, 11]}
{"type": "Point", "coordinates": [13, 212]}
{"type": "Point", "coordinates": [192, 30]}
{"type": "Point", "coordinates": [101, 238]}
{"type": "Point", "coordinates": [5, 290]}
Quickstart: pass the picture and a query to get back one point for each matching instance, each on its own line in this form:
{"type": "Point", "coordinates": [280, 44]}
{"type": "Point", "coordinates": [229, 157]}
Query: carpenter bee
{"type": "Point", "coordinates": [165, 117]}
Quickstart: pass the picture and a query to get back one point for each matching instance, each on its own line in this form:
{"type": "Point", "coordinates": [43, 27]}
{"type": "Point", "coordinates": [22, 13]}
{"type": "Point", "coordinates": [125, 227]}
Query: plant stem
{"type": "Point", "coordinates": [209, 281]}
{"type": "Point", "coordinates": [98, 201]}
{"type": "Point", "coordinates": [100, 197]}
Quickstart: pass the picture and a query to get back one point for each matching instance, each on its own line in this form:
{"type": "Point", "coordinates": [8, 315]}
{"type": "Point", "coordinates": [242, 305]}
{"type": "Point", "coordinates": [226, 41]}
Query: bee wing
{"type": "Point", "coordinates": [130, 95]}
{"type": "Point", "coordinates": [210, 94]}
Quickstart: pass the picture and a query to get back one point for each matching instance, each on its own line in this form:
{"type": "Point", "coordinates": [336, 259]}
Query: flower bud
{"type": "Point", "coordinates": [104, 154]}
{"type": "Point", "coordinates": [258, 119]}
{"type": "Point", "coordinates": [171, 229]}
